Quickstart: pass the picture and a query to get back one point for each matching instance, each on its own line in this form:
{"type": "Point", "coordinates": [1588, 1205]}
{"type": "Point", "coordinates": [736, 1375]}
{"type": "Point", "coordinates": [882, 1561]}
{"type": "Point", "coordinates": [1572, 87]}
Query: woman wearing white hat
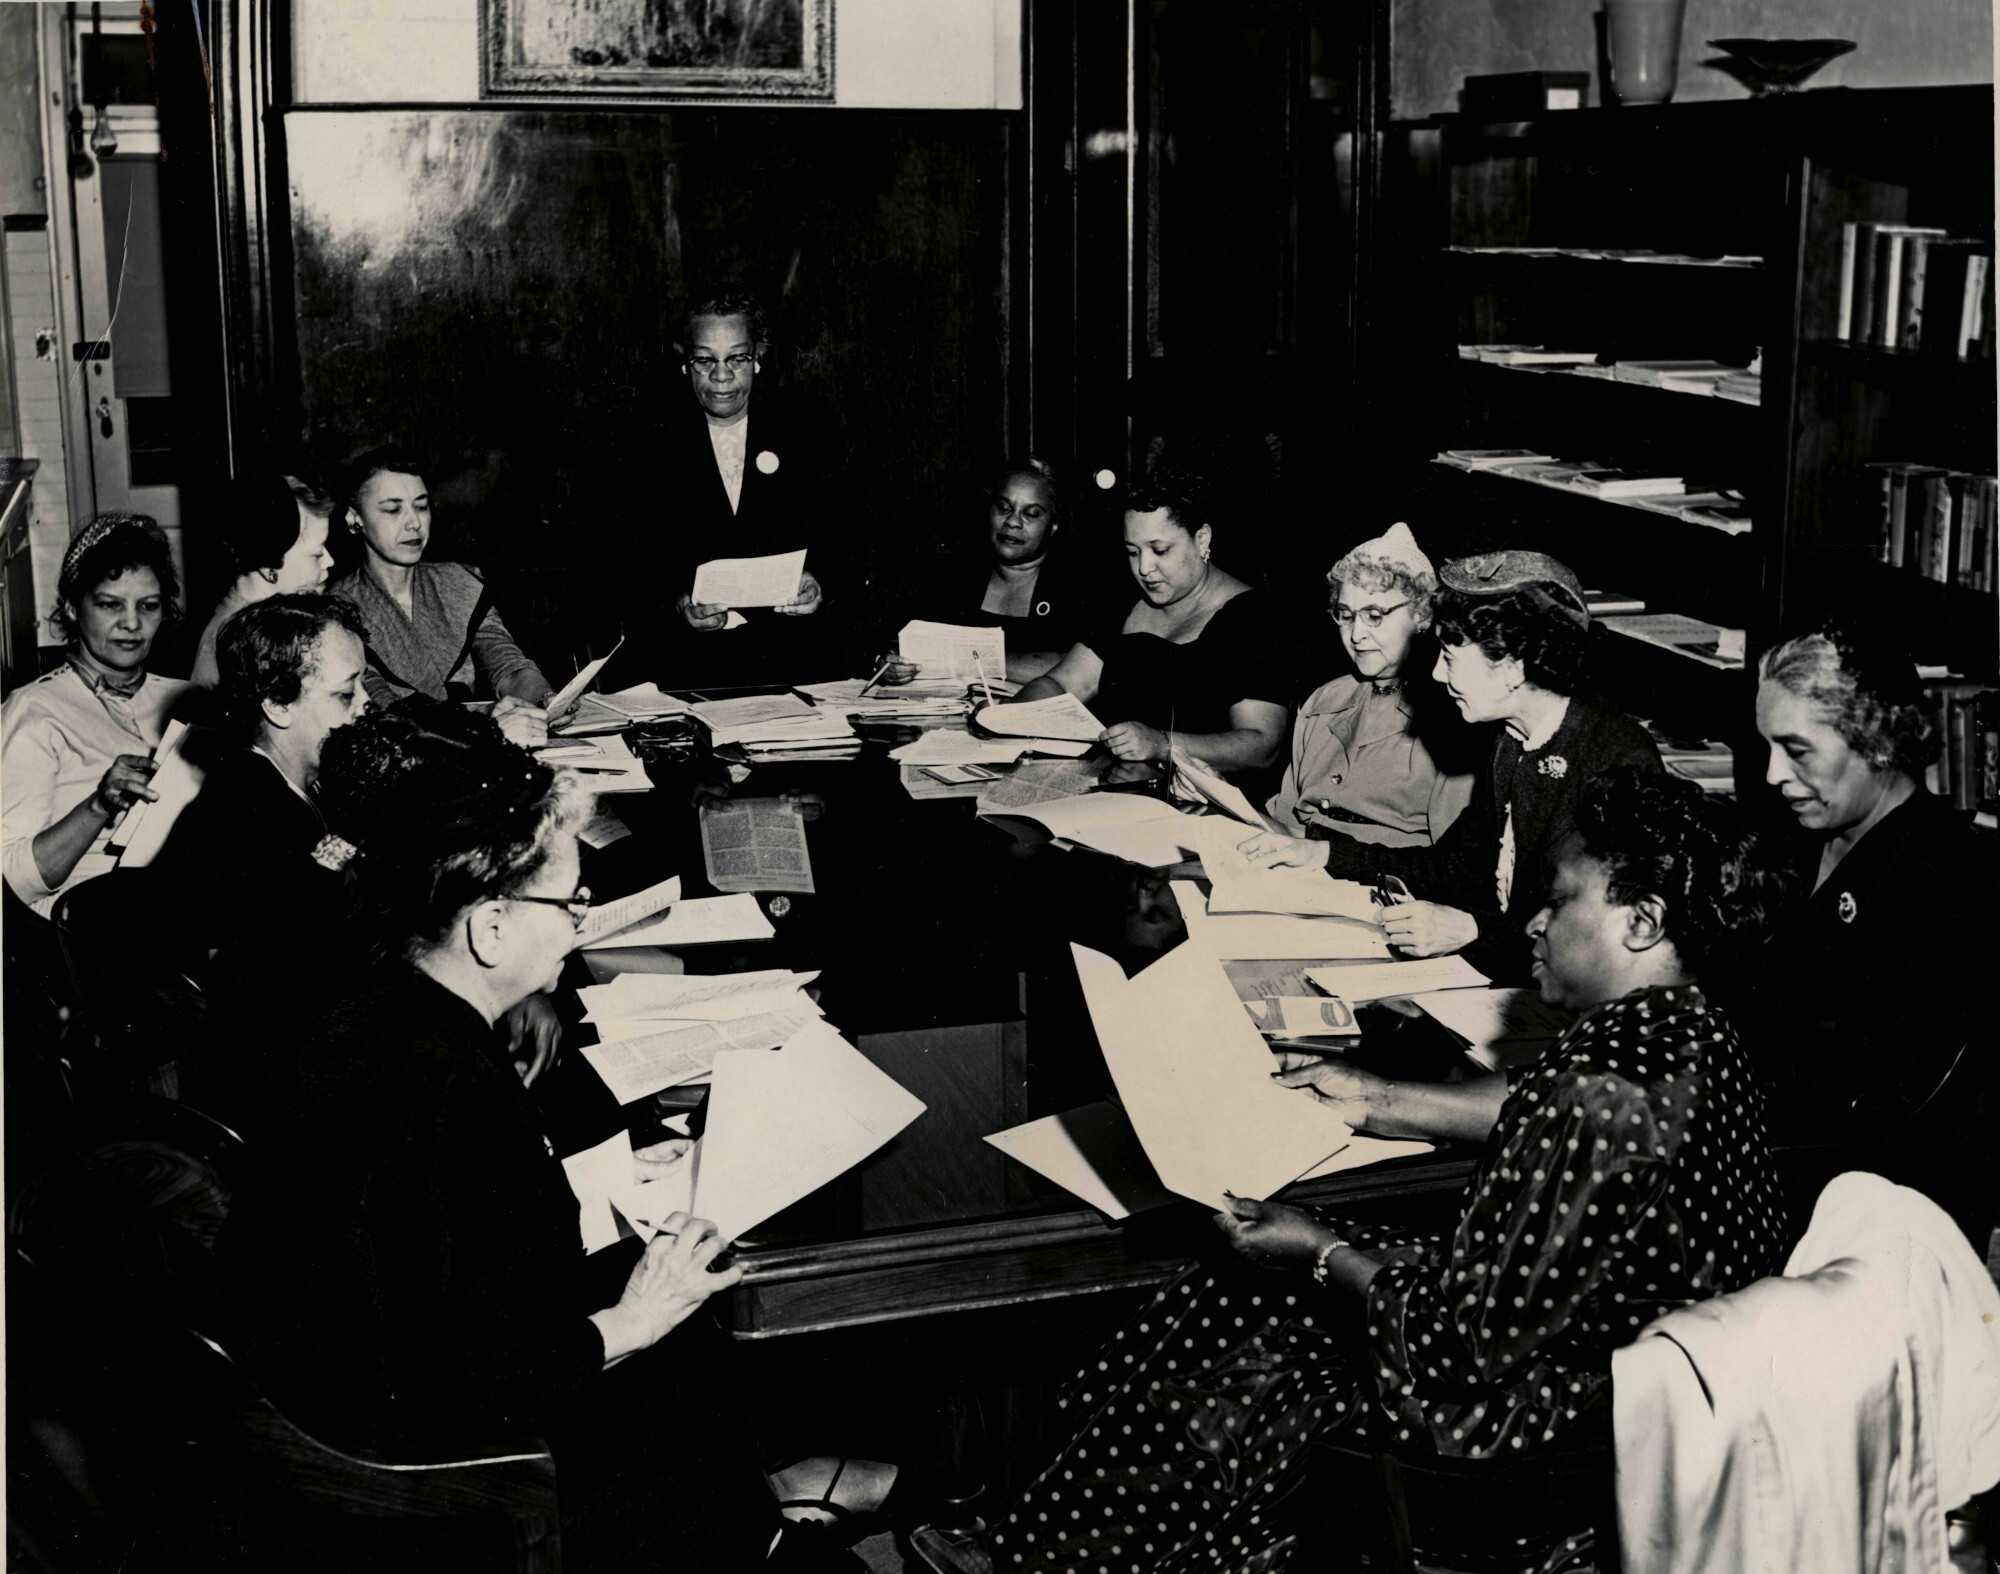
{"type": "Point", "coordinates": [1360, 765]}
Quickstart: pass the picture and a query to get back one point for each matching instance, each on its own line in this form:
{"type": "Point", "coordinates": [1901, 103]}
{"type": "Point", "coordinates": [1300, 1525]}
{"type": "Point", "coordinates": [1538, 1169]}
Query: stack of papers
{"type": "Point", "coordinates": [954, 746]}
{"type": "Point", "coordinates": [954, 651]}
{"type": "Point", "coordinates": [703, 920]}
{"type": "Point", "coordinates": [1125, 825]}
{"type": "Point", "coordinates": [1387, 980]}
{"type": "Point", "coordinates": [763, 723]}
{"type": "Point", "coordinates": [606, 763]}
{"type": "Point", "coordinates": [781, 1123]}
{"type": "Point", "coordinates": [593, 714]}
{"type": "Point", "coordinates": [645, 702]}
{"type": "Point", "coordinates": [1491, 458]}
{"type": "Point", "coordinates": [852, 697]}
{"type": "Point", "coordinates": [1257, 936]}
{"type": "Point", "coordinates": [1061, 717]}
{"type": "Point", "coordinates": [657, 1030]}
{"type": "Point", "coordinates": [1711, 645]}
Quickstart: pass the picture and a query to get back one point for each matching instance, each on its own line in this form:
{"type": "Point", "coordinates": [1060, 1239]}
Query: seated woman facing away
{"type": "Point", "coordinates": [409, 1267]}
{"type": "Point", "coordinates": [1513, 634]}
{"type": "Point", "coordinates": [1625, 1174]}
{"type": "Point", "coordinates": [1026, 581]}
{"type": "Point", "coordinates": [76, 746]}
{"type": "Point", "coordinates": [430, 626]}
{"type": "Point", "coordinates": [1864, 1007]}
{"type": "Point", "coordinates": [290, 670]}
{"type": "Point", "coordinates": [275, 532]}
{"type": "Point", "coordinates": [1188, 663]}
{"type": "Point", "coordinates": [1358, 766]}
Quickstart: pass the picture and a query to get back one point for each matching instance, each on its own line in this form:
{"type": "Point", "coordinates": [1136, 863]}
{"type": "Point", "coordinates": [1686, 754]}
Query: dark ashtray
{"type": "Point", "coordinates": [1776, 65]}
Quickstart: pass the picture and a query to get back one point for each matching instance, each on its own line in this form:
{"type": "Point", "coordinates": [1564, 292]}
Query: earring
{"type": "Point", "coordinates": [1204, 554]}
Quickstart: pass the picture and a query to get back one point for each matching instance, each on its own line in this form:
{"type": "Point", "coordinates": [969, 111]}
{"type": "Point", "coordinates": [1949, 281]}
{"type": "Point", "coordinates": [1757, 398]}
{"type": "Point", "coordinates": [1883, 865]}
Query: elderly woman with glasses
{"type": "Point", "coordinates": [410, 1270]}
{"type": "Point", "coordinates": [1513, 635]}
{"type": "Point", "coordinates": [1359, 766]}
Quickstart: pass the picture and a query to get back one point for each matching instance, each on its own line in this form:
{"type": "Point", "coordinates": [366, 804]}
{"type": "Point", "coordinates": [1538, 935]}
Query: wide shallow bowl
{"type": "Point", "coordinates": [1776, 65]}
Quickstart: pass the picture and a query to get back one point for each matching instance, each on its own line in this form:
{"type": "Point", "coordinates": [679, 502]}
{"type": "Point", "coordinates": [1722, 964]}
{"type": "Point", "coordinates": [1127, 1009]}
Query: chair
{"type": "Point", "coordinates": [135, 1002]}
{"type": "Point", "coordinates": [115, 1243]}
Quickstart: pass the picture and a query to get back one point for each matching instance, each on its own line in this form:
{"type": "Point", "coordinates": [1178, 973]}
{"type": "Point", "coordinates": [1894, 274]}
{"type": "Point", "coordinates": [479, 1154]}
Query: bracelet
{"type": "Point", "coordinates": [1319, 1262]}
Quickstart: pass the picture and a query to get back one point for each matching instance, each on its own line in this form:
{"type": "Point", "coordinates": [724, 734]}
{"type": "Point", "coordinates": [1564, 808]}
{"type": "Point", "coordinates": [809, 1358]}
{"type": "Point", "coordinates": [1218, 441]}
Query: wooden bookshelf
{"type": "Point", "coordinates": [1771, 179]}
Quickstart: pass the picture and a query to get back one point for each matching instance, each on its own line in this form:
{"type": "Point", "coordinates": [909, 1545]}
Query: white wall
{"type": "Point", "coordinates": [887, 54]}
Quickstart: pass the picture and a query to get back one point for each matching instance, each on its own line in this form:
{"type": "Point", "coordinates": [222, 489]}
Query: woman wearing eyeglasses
{"type": "Point", "coordinates": [1359, 767]}
{"type": "Point", "coordinates": [409, 1267]}
{"type": "Point", "coordinates": [1513, 634]}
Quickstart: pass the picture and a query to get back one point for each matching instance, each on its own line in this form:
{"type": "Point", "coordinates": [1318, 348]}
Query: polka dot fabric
{"type": "Point", "coordinates": [1627, 1175]}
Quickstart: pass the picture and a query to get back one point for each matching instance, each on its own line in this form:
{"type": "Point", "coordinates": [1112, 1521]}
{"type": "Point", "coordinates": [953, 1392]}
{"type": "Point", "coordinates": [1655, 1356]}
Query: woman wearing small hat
{"type": "Point", "coordinates": [1359, 766]}
{"type": "Point", "coordinates": [1513, 632]}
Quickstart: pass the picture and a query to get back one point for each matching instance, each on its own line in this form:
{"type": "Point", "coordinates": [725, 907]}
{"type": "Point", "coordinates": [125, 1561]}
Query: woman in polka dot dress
{"type": "Point", "coordinates": [1626, 1174]}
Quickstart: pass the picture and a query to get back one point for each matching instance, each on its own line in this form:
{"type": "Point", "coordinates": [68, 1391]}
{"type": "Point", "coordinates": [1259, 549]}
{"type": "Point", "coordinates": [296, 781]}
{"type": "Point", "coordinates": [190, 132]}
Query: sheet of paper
{"type": "Point", "coordinates": [1275, 936]}
{"type": "Point", "coordinates": [1091, 1151]}
{"type": "Point", "coordinates": [1040, 781]}
{"type": "Point", "coordinates": [572, 691]}
{"type": "Point", "coordinates": [1486, 1018]}
{"type": "Point", "coordinates": [594, 1175]}
{"type": "Point", "coordinates": [645, 702]}
{"type": "Point", "coordinates": [1380, 980]}
{"type": "Point", "coordinates": [1123, 824]}
{"type": "Point", "coordinates": [590, 717]}
{"type": "Point", "coordinates": [718, 1008]}
{"type": "Point", "coordinates": [750, 581]}
{"type": "Point", "coordinates": [701, 920]}
{"type": "Point", "coordinates": [633, 1068]}
{"type": "Point", "coordinates": [1195, 1079]}
{"type": "Point", "coordinates": [679, 996]}
{"type": "Point", "coordinates": [1202, 785]}
{"type": "Point", "coordinates": [755, 844]}
{"type": "Point", "coordinates": [745, 710]}
{"type": "Point", "coordinates": [780, 1126]}
{"type": "Point", "coordinates": [609, 917]}
{"type": "Point", "coordinates": [606, 763]}
{"type": "Point", "coordinates": [1061, 716]}
{"type": "Point", "coordinates": [144, 829]}
{"type": "Point", "coordinates": [1367, 1150]}
{"type": "Point", "coordinates": [955, 651]}
{"type": "Point", "coordinates": [1238, 886]}
{"type": "Point", "coordinates": [604, 829]}
{"type": "Point", "coordinates": [645, 1204]}
{"type": "Point", "coordinates": [951, 746]}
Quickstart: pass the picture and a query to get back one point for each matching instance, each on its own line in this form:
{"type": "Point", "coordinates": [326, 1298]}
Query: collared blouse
{"type": "Point", "coordinates": [1364, 759]}
{"type": "Point", "coordinates": [419, 653]}
{"type": "Point", "coordinates": [58, 736]}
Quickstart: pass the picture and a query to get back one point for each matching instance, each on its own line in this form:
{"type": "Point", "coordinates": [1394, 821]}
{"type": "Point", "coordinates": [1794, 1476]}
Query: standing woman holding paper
{"type": "Point", "coordinates": [76, 746]}
{"type": "Point", "coordinates": [432, 627]}
{"type": "Point", "coordinates": [1188, 664]}
{"type": "Point", "coordinates": [409, 1271]}
{"type": "Point", "coordinates": [742, 482]}
{"type": "Point", "coordinates": [1194, 1425]}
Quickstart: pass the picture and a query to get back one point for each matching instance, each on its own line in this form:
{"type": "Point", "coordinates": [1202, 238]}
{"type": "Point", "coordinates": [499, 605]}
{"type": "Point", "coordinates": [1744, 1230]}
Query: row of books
{"type": "Point", "coordinates": [1908, 287]}
{"type": "Point", "coordinates": [1967, 770]}
{"type": "Point", "coordinates": [1743, 384]}
{"type": "Point", "coordinates": [1718, 508]}
{"type": "Point", "coordinates": [1708, 643]}
{"type": "Point", "coordinates": [1679, 259]}
{"type": "Point", "coordinates": [1938, 523]}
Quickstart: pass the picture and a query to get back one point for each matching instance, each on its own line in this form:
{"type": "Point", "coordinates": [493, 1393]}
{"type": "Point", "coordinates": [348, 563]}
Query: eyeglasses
{"type": "Point", "coordinates": [705, 365]}
{"type": "Point", "coordinates": [1371, 617]}
{"type": "Point", "coordinates": [577, 906]}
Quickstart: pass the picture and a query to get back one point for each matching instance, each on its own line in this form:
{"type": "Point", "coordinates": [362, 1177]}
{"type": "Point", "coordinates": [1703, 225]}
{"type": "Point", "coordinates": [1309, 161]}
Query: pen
{"type": "Point", "coordinates": [886, 660]}
{"type": "Point", "coordinates": [979, 666]}
{"type": "Point", "coordinates": [597, 770]}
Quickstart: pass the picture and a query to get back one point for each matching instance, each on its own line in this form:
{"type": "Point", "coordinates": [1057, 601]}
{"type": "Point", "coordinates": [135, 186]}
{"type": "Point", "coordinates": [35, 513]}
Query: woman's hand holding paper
{"type": "Point", "coordinates": [668, 1286]}
{"type": "Point", "coordinates": [1274, 1234]}
{"type": "Point", "coordinates": [1275, 850]}
{"type": "Point", "coordinates": [1354, 1094]}
{"type": "Point", "coordinates": [1134, 740]}
{"type": "Point", "coordinates": [807, 600]}
{"type": "Point", "coordinates": [521, 723]}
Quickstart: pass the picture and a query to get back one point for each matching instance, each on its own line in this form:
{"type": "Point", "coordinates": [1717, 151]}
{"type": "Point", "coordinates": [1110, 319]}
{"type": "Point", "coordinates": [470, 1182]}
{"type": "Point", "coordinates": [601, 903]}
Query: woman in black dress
{"type": "Point", "coordinates": [1189, 663]}
{"type": "Point", "coordinates": [1513, 634]}
{"type": "Point", "coordinates": [1626, 1174]}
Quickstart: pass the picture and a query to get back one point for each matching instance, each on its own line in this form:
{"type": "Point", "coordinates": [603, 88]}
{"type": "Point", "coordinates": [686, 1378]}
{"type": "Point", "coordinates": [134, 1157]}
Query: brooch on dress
{"type": "Point", "coordinates": [767, 461]}
{"type": "Point", "coordinates": [1553, 765]}
{"type": "Point", "coordinates": [1847, 907]}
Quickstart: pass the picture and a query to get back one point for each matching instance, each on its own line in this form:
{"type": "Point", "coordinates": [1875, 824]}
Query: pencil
{"type": "Point", "coordinates": [979, 666]}
{"type": "Point", "coordinates": [886, 660]}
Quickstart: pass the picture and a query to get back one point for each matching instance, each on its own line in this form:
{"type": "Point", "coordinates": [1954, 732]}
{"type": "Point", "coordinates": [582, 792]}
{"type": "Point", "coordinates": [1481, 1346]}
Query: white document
{"type": "Point", "coordinates": [1037, 781]}
{"type": "Point", "coordinates": [572, 691]}
{"type": "Point", "coordinates": [1195, 1079]}
{"type": "Point", "coordinates": [780, 1126]}
{"type": "Point", "coordinates": [683, 996]}
{"type": "Point", "coordinates": [633, 1068]}
{"type": "Point", "coordinates": [606, 764]}
{"type": "Point", "coordinates": [645, 702]}
{"type": "Point", "coordinates": [750, 710]}
{"type": "Point", "coordinates": [954, 650]}
{"type": "Point", "coordinates": [1092, 1151]}
{"type": "Point", "coordinates": [755, 844]}
{"type": "Point", "coordinates": [591, 717]}
{"type": "Point", "coordinates": [1382, 980]}
{"type": "Point", "coordinates": [1280, 937]}
{"type": "Point", "coordinates": [143, 831]}
{"type": "Point", "coordinates": [1307, 892]}
{"type": "Point", "coordinates": [1125, 825]}
{"type": "Point", "coordinates": [1490, 1019]}
{"type": "Point", "coordinates": [1060, 716]}
{"type": "Point", "coordinates": [595, 1175]}
{"type": "Point", "coordinates": [609, 917]}
{"type": "Point", "coordinates": [701, 920]}
{"type": "Point", "coordinates": [1197, 782]}
{"type": "Point", "coordinates": [950, 746]}
{"type": "Point", "coordinates": [749, 581]}
{"type": "Point", "coordinates": [716, 1008]}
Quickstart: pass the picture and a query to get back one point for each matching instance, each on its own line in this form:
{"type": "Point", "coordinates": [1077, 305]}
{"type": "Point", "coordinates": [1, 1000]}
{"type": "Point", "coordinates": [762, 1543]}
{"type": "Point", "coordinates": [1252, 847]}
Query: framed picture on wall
{"type": "Point", "coordinates": [656, 49]}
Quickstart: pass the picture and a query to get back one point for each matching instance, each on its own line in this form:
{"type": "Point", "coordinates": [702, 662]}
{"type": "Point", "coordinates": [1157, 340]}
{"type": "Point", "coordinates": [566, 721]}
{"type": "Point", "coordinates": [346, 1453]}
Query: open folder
{"type": "Point", "coordinates": [1195, 1079]}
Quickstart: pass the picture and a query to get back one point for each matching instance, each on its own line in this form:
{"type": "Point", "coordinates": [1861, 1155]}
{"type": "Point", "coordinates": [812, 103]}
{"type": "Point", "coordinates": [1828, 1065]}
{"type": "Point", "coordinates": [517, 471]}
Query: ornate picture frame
{"type": "Point", "coordinates": [656, 50]}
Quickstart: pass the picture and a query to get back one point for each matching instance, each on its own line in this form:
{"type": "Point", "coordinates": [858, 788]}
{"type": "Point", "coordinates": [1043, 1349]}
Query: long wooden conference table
{"type": "Point", "coordinates": [943, 946]}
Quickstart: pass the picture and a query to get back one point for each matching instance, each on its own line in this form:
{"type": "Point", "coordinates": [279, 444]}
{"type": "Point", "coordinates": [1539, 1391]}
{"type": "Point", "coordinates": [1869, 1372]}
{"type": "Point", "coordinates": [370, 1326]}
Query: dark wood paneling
{"type": "Point", "coordinates": [499, 287]}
